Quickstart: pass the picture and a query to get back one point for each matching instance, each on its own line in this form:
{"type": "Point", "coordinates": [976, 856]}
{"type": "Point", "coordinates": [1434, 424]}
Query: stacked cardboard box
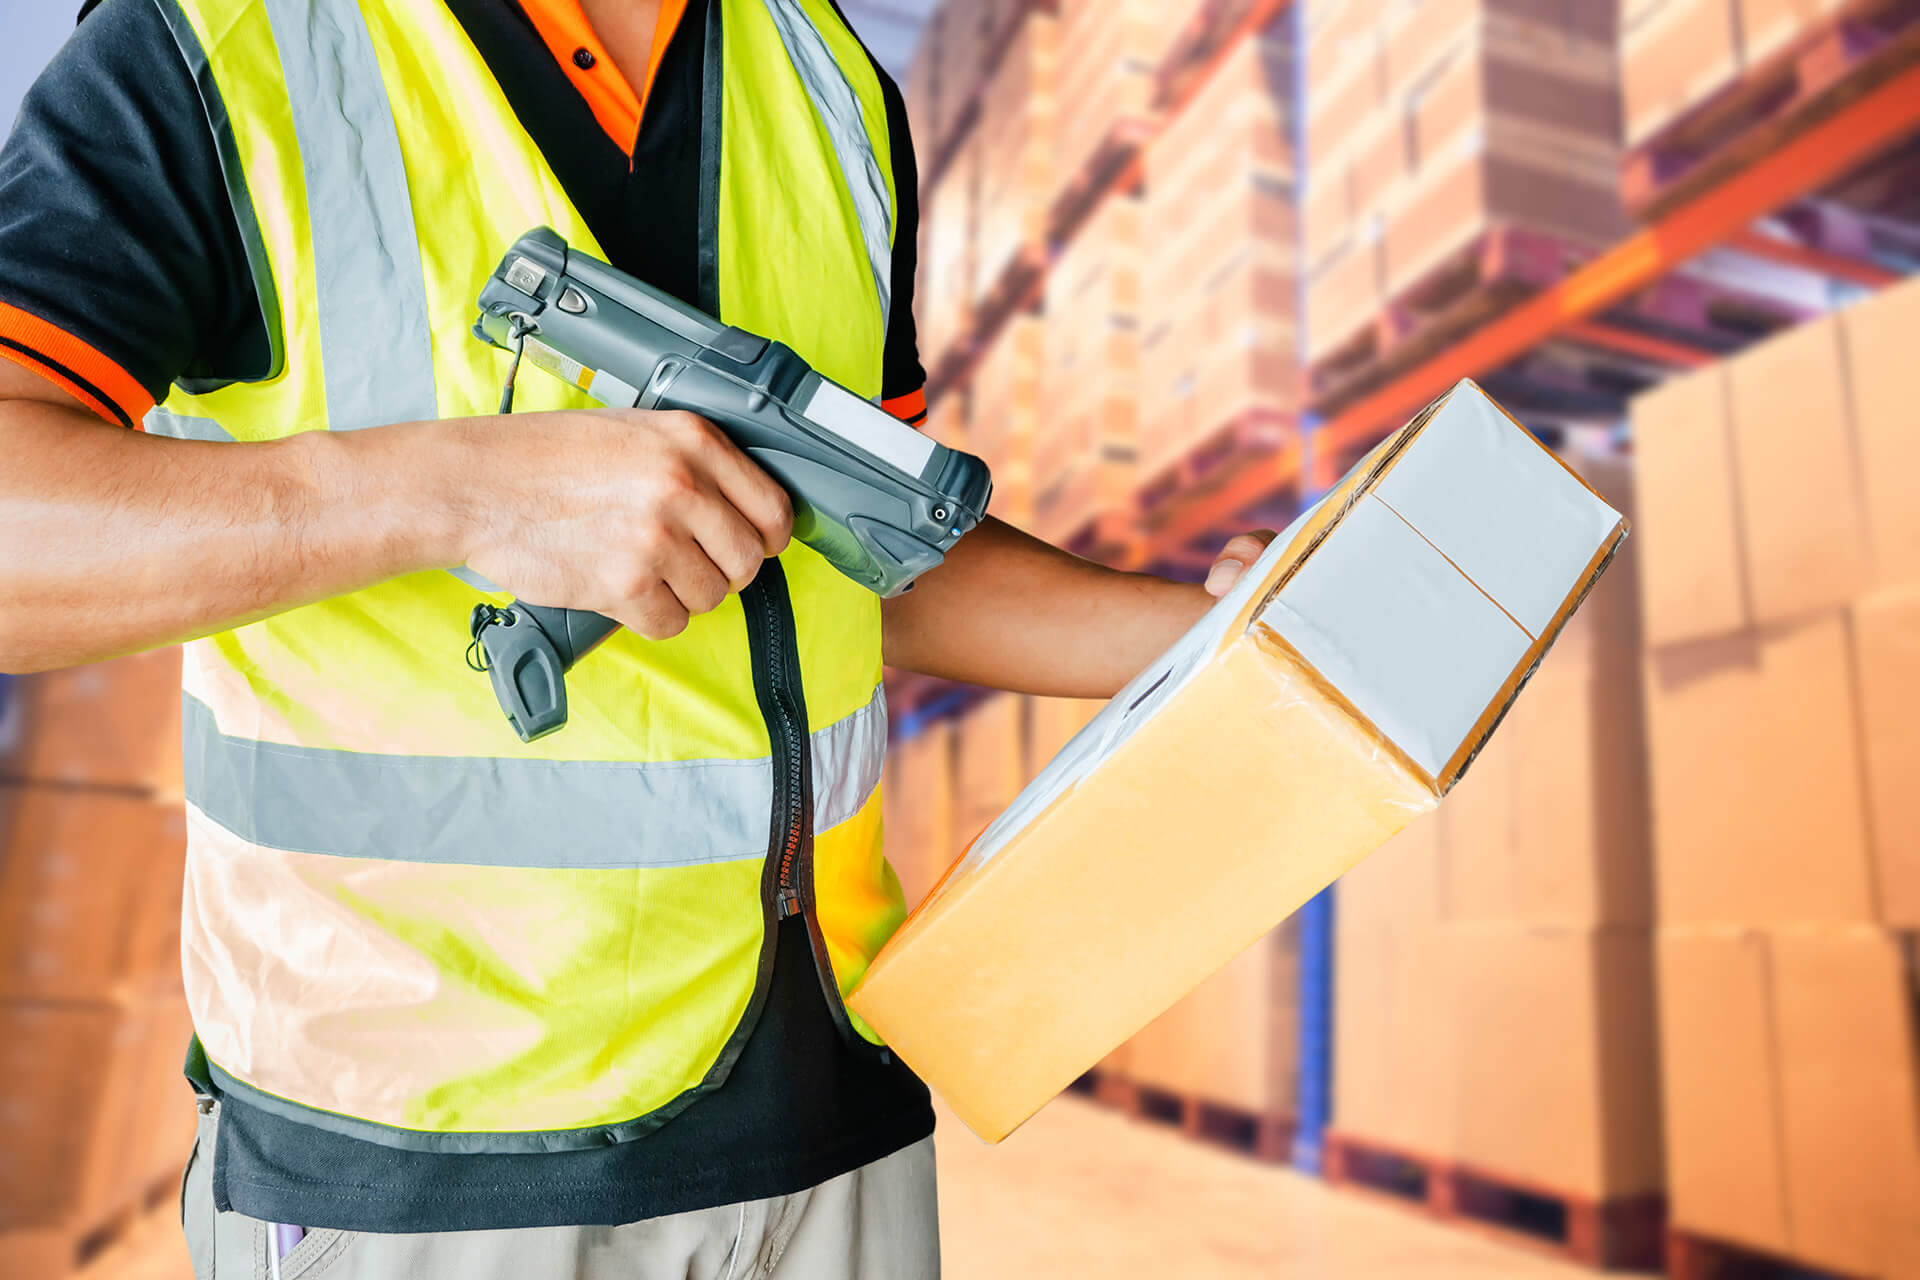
{"type": "Point", "coordinates": [1109, 52]}
{"type": "Point", "coordinates": [920, 808]}
{"type": "Point", "coordinates": [1782, 596]}
{"type": "Point", "coordinates": [1495, 999]}
{"type": "Point", "coordinates": [1436, 122]}
{"type": "Point", "coordinates": [1235, 1040]}
{"type": "Point", "coordinates": [1675, 55]}
{"type": "Point", "coordinates": [943, 310]}
{"type": "Point", "coordinates": [1083, 456]}
{"type": "Point", "coordinates": [93, 1023]}
{"type": "Point", "coordinates": [920, 91]}
{"type": "Point", "coordinates": [1004, 414]}
{"type": "Point", "coordinates": [958, 36]}
{"type": "Point", "coordinates": [1016, 157]}
{"type": "Point", "coordinates": [990, 763]}
{"type": "Point", "coordinates": [1219, 287]}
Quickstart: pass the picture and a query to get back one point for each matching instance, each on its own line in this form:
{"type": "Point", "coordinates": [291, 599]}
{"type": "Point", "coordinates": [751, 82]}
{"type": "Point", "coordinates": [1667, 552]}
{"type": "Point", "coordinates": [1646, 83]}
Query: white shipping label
{"type": "Point", "coordinates": [560, 366]}
{"type": "Point", "coordinates": [834, 409]}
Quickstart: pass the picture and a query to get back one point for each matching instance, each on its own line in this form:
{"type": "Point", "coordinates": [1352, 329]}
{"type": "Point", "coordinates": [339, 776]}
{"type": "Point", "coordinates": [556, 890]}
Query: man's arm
{"type": "Point", "coordinates": [1009, 611]}
{"type": "Point", "coordinates": [113, 541]}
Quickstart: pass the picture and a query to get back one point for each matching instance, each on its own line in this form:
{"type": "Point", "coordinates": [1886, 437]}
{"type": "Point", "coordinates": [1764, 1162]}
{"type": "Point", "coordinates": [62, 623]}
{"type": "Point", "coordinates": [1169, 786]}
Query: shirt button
{"type": "Point", "coordinates": [583, 59]}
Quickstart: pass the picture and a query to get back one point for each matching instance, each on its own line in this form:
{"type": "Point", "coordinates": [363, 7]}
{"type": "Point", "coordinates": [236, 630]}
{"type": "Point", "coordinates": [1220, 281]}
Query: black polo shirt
{"type": "Point", "coordinates": [122, 269]}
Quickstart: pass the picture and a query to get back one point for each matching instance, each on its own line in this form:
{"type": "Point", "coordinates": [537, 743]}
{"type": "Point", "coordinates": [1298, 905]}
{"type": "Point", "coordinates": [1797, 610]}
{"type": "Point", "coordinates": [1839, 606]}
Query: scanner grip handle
{"type": "Point", "coordinates": [528, 651]}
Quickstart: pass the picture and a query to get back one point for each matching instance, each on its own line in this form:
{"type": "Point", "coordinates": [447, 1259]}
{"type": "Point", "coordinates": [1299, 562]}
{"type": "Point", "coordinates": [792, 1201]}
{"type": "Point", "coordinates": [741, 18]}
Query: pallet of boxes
{"type": "Point", "coordinates": [1494, 1026]}
{"type": "Point", "coordinates": [1218, 372]}
{"type": "Point", "coordinates": [1708, 86]}
{"type": "Point", "coordinates": [1462, 154]}
{"type": "Point", "coordinates": [95, 1118]}
{"type": "Point", "coordinates": [1780, 495]}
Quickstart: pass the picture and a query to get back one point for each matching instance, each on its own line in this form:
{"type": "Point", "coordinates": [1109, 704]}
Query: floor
{"type": "Point", "coordinates": [1083, 1192]}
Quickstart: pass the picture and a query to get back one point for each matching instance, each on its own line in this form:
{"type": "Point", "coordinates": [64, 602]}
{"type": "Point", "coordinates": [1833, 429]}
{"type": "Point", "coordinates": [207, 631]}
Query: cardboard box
{"type": "Point", "coordinates": [1234, 1040]}
{"type": "Point", "coordinates": [1886, 638]}
{"type": "Point", "coordinates": [1083, 457]}
{"type": "Point", "coordinates": [90, 887]}
{"type": "Point", "coordinates": [1396, 1038]}
{"type": "Point", "coordinates": [991, 763]}
{"type": "Point", "coordinates": [1725, 1171]}
{"type": "Point", "coordinates": [961, 67]}
{"type": "Point", "coordinates": [1016, 153]}
{"type": "Point", "coordinates": [1772, 27]}
{"type": "Point", "coordinates": [1759, 815]}
{"type": "Point", "coordinates": [1346, 295]}
{"type": "Point", "coordinates": [944, 297]}
{"type": "Point", "coordinates": [1553, 825]}
{"type": "Point", "coordinates": [1847, 1012]}
{"type": "Point", "coordinates": [1109, 53]}
{"type": "Point", "coordinates": [1794, 1093]}
{"type": "Point", "coordinates": [69, 1074]}
{"type": "Point", "coordinates": [1805, 542]}
{"type": "Point", "coordinates": [1004, 414]}
{"type": "Point", "coordinates": [921, 829]}
{"type": "Point", "coordinates": [1054, 722]}
{"type": "Point", "coordinates": [112, 724]}
{"type": "Point", "coordinates": [1674, 54]}
{"type": "Point", "coordinates": [1692, 571]}
{"type": "Point", "coordinates": [1399, 889]}
{"type": "Point", "coordinates": [1558, 1083]}
{"type": "Point", "coordinates": [1879, 343]}
{"type": "Point", "coordinates": [1335, 694]}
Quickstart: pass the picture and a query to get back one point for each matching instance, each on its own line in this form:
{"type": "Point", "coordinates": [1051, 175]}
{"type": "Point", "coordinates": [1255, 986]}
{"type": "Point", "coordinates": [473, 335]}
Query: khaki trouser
{"type": "Point", "coordinates": [875, 1223]}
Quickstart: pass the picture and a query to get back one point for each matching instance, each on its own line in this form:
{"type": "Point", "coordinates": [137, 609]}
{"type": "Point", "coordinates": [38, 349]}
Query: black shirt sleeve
{"type": "Point", "coordinates": [902, 374]}
{"type": "Point", "coordinates": [115, 224]}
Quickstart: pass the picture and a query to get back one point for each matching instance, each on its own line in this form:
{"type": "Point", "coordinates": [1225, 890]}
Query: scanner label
{"type": "Point", "coordinates": [560, 366]}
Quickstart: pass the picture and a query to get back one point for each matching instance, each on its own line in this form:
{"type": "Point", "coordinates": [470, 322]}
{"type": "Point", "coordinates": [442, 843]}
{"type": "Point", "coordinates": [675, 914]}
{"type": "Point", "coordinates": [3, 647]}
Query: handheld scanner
{"type": "Point", "coordinates": [880, 501]}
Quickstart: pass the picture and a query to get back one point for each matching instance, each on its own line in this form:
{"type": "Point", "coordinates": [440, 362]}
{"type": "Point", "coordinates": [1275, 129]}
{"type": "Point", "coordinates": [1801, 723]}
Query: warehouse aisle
{"type": "Point", "coordinates": [1081, 1193]}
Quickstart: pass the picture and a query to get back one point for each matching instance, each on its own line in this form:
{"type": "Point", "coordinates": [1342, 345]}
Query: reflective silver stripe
{"type": "Point", "coordinates": [839, 108]}
{"type": "Point", "coordinates": [164, 422]}
{"type": "Point", "coordinates": [497, 812]}
{"type": "Point", "coordinates": [375, 345]}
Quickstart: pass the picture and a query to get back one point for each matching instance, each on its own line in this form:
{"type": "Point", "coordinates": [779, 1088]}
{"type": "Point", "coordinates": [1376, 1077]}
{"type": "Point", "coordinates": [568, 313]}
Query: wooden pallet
{"type": "Point", "coordinates": [1264, 1136]}
{"type": "Point", "coordinates": [1840, 59]}
{"type": "Point", "coordinates": [1493, 273]}
{"type": "Point", "coordinates": [1625, 1233]}
{"type": "Point", "coordinates": [1250, 436]}
{"type": "Point", "coordinates": [1114, 169]}
{"type": "Point", "coordinates": [1696, 1257]}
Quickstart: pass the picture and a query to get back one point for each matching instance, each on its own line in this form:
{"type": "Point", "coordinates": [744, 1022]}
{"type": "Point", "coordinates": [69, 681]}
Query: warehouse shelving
{"type": "Point", "coordinates": [1803, 214]}
{"type": "Point", "coordinates": [1575, 308]}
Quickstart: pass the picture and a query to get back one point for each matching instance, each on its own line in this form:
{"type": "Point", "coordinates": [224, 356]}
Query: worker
{"type": "Point", "coordinates": [466, 1007]}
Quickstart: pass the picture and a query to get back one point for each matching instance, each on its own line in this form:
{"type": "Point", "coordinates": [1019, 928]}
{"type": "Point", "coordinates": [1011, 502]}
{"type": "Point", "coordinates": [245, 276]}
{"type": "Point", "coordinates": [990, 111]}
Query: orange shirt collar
{"type": "Point", "coordinates": [612, 98]}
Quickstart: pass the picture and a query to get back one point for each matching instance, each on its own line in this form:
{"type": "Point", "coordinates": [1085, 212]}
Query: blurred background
{"type": "Point", "coordinates": [1642, 995]}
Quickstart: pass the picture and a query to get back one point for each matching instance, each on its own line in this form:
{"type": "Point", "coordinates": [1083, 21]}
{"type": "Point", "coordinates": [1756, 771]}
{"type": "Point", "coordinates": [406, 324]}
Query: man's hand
{"type": "Point", "coordinates": [648, 517]}
{"type": "Point", "coordinates": [1234, 558]}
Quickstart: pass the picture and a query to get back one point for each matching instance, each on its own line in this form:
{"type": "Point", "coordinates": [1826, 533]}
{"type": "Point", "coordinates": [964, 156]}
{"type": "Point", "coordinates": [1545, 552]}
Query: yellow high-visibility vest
{"type": "Point", "coordinates": [401, 923]}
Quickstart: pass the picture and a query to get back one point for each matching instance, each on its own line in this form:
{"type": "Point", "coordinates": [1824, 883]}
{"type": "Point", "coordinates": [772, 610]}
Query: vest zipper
{"type": "Point", "coordinates": [777, 685]}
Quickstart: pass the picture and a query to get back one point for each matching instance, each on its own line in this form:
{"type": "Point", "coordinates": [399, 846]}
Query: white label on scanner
{"type": "Point", "coordinates": [833, 408]}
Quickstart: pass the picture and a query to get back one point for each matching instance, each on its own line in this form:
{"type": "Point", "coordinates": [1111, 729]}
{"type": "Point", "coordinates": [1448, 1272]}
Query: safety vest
{"type": "Point", "coordinates": [401, 923]}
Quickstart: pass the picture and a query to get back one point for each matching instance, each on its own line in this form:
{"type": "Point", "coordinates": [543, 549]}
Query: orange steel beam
{"type": "Point", "coordinates": [1806, 163]}
{"type": "Point", "coordinates": [1256, 480]}
{"type": "Point", "coordinates": [1833, 265]}
{"type": "Point", "coordinates": [1594, 333]}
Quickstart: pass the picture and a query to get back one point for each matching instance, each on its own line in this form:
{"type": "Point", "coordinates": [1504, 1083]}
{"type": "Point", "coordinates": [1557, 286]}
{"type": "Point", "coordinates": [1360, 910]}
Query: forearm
{"type": "Point", "coordinates": [114, 541]}
{"type": "Point", "coordinates": [1009, 611]}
